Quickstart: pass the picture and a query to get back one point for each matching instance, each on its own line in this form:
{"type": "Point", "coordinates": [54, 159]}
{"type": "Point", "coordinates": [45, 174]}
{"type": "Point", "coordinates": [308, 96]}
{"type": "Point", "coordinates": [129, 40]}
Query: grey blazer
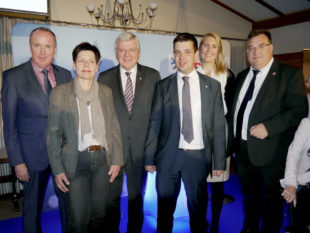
{"type": "Point", "coordinates": [63, 125]}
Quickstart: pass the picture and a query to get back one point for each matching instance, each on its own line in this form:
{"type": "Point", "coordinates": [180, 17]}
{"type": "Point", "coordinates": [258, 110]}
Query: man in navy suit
{"type": "Point", "coordinates": [132, 85]}
{"type": "Point", "coordinates": [25, 99]}
{"type": "Point", "coordinates": [269, 103]}
{"type": "Point", "coordinates": [186, 137]}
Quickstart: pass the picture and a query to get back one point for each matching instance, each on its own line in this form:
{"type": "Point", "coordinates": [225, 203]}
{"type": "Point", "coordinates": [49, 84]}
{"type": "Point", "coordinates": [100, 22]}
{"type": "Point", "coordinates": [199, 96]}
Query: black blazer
{"type": "Point", "coordinates": [133, 125]}
{"type": "Point", "coordinates": [280, 105]}
{"type": "Point", "coordinates": [164, 130]}
{"type": "Point", "coordinates": [25, 109]}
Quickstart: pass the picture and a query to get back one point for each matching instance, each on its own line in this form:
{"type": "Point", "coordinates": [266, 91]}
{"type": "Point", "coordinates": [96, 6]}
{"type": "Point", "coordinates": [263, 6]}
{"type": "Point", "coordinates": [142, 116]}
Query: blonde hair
{"type": "Point", "coordinates": [220, 64]}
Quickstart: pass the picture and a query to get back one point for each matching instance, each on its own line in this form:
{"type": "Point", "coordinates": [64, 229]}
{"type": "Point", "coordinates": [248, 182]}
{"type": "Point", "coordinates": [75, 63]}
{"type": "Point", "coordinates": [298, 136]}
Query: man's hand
{"type": "Point", "coordinates": [218, 172]}
{"type": "Point", "coordinates": [289, 194]}
{"type": "Point", "coordinates": [21, 172]}
{"type": "Point", "coordinates": [114, 170]}
{"type": "Point", "coordinates": [62, 182]}
{"type": "Point", "coordinates": [259, 131]}
{"type": "Point", "coordinates": [150, 169]}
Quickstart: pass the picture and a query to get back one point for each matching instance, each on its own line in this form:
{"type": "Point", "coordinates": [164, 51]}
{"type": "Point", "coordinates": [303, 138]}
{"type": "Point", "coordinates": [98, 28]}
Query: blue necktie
{"type": "Point", "coordinates": [247, 97]}
{"type": "Point", "coordinates": [187, 122]}
{"type": "Point", "coordinates": [47, 84]}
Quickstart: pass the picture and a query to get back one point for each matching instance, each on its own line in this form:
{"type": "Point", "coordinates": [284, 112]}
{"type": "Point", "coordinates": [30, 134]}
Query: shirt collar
{"type": "Point", "coordinates": [266, 68]}
{"type": "Point", "coordinates": [133, 71]}
{"type": "Point", "coordinates": [193, 74]}
{"type": "Point", "coordinates": [39, 69]}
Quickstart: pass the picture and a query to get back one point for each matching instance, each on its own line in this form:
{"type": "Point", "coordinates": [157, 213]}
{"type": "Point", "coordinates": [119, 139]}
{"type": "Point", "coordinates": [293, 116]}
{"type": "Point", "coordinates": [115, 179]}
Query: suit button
{"type": "Point", "coordinates": [129, 117]}
{"type": "Point", "coordinates": [128, 138]}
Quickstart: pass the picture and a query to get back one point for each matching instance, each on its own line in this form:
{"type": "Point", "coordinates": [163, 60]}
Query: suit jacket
{"type": "Point", "coordinates": [25, 108]}
{"type": "Point", "coordinates": [280, 105]}
{"type": "Point", "coordinates": [134, 125]}
{"type": "Point", "coordinates": [164, 130]}
{"type": "Point", "coordinates": [63, 126]}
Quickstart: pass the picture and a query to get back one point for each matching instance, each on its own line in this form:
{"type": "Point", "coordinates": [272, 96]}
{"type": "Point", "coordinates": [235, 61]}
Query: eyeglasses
{"type": "Point", "coordinates": [259, 47]}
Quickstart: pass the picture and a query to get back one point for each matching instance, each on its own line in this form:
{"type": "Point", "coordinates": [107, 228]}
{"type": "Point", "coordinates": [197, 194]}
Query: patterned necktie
{"type": "Point", "coordinates": [187, 122]}
{"type": "Point", "coordinates": [247, 97]}
{"type": "Point", "coordinates": [128, 92]}
{"type": "Point", "coordinates": [47, 84]}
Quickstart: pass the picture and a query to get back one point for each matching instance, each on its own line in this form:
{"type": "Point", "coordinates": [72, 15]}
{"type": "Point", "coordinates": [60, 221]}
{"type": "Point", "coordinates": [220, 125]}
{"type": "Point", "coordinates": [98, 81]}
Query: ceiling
{"type": "Point", "coordinates": [269, 13]}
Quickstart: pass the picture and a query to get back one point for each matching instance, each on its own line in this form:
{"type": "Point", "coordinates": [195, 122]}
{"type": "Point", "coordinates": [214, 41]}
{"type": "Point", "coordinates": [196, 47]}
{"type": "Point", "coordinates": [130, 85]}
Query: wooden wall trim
{"type": "Point", "coordinates": [292, 59]}
{"type": "Point", "coordinates": [289, 19]}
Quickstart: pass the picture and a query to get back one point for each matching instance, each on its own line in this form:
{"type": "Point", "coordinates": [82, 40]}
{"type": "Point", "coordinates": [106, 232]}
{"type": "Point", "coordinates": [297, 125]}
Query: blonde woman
{"type": "Point", "coordinates": [213, 65]}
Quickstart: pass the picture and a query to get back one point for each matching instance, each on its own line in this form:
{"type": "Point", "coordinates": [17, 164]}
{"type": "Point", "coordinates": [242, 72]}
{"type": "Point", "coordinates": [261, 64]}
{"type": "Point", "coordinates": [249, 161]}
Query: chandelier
{"type": "Point", "coordinates": [122, 13]}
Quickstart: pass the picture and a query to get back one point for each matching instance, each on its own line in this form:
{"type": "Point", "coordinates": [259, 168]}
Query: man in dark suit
{"type": "Point", "coordinates": [186, 134]}
{"type": "Point", "coordinates": [25, 99]}
{"type": "Point", "coordinates": [269, 103]}
{"type": "Point", "coordinates": [132, 85]}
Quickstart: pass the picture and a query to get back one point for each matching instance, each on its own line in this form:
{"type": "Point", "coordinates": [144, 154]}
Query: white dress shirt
{"type": "Point", "coordinates": [194, 86]}
{"type": "Point", "coordinates": [133, 75]}
{"type": "Point", "coordinates": [260, 78]}
{"type": "Point", "coordinates": [297, 170]}
{"type": "Point", "coordinates": [88, 139]}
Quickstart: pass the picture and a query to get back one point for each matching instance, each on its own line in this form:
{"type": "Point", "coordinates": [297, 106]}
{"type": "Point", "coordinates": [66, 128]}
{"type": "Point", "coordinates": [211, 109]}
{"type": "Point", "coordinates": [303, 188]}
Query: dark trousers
{"type": "Point", "coordinates": [217, 198]}
{"type": "Point", "coordinates": [62, 205]}
{"type": "Point", "coordinates": [87, 194]}
{"type": "Point", "coordinates": [191, 167]}
{"type": "Point", "coordinates": [261, 191]}
{"type": "Point", "coordinates": [34, 192]}
{"type": "Point", "coordinates": [136, 179]}
{"type": "Point", "coordinates": [300, 213]}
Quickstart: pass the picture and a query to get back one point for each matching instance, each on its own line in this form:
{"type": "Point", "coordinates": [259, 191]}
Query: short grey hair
{"type": "Point", "coordinates": [126, 36]}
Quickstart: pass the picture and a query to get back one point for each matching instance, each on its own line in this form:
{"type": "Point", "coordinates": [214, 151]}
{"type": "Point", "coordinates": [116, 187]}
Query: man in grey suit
{"type": "Point", "coordinates": [269, 103]}
{"type": "Point", "coordinates": [132, 85]}
{"type": "Point", "coordinates": [186, 137]}
{"type": "Point", "coordinates": [25, 100]}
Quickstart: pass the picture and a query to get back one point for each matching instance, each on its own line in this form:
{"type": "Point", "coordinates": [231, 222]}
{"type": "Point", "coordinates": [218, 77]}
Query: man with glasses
{"type": "Point", "coordinates": [186, 134]}
{"type": "Point", "coordinates": [270, 101]}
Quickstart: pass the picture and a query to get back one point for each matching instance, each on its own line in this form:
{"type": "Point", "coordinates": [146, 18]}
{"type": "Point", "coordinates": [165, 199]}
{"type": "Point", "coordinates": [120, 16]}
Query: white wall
{"type": "Point", "coordinates": [291, 39]}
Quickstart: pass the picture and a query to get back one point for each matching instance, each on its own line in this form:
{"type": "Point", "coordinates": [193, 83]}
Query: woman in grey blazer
{"type": "Point", "coordinates": [84, 142]}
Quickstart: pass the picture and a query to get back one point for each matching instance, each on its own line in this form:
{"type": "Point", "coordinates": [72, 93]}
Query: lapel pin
{"type": "Point", "coordinates": [206, 86]}
{"type": "Point", "coordinates": [274, 74]}
{"type": "Point", "coordinates": [140, 78]}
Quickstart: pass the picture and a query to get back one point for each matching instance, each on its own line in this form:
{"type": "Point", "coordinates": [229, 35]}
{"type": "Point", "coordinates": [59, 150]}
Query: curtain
{"type": "Point", "coordinates": [237, 55]}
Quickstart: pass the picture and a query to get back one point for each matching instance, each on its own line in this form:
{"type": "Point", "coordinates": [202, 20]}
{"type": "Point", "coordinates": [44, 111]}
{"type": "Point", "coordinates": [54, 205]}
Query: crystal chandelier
{"type": "Point", "coordinates": [122, 13]}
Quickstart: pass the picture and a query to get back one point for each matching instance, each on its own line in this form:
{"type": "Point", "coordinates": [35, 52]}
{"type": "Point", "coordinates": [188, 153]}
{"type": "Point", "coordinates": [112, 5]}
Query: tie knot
{"type": "Point", "coordinates": [185, 78]}
{"type": "Point", "coordinates": [255, 72]}
{"type": "Point", "coordinates": [128, 74]}
{"type": "Point", "coordinates": [45, 72]}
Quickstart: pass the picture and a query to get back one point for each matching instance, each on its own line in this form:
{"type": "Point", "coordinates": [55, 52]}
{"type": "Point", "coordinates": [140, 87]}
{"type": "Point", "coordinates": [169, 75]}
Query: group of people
{"type": "Point", "coordinates": [90, 133]}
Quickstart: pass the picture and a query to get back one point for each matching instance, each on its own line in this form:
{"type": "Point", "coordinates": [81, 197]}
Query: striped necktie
{"type": "Point", "coordinates": [128, 92]}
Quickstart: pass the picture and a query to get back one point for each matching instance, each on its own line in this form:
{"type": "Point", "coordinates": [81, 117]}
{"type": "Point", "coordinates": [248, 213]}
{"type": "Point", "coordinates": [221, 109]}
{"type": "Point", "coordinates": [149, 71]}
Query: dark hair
{"type": "Point", "coordinates": [186, 37]}
{"type": "Point", "coordinates": [44, 30]}
{"type": "Point", "coordinates": [85, 46]}
{"type": "Point", "coordinates": [258, 32]}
